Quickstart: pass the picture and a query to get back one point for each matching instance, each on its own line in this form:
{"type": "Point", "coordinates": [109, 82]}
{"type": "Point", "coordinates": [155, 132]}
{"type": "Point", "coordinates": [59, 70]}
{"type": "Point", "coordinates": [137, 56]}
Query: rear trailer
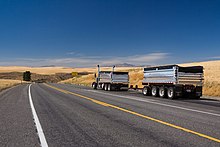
{"type": "Point", "coordinates": [111, 80]}
{"type": "Point", "coordinates": [173, 81]}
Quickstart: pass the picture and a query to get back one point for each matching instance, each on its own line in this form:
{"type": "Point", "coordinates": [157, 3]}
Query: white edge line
{"type": "Point", "coordinates": [154, 102]}
{"type": "Point", "coordinates": [40, 132]}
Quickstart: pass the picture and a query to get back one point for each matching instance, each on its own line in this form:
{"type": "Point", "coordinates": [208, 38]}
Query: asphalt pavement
{"type": "Point", "coordinates": [73, 115]}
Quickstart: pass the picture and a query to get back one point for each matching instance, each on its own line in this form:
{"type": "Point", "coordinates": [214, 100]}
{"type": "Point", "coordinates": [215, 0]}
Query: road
{"type": "Point", "coordinates": [71, 115]}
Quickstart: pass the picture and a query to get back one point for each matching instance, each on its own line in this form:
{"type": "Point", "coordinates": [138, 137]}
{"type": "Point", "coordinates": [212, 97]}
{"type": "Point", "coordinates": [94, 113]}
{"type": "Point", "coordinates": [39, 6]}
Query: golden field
{"type": "Point", "coordinates": [5, 83]}
{"type": "Point", "coordinates": [211, 75]}
{"type": "Point", "coordinates": [12, 75]}
{"type": "Point", "coordinates": [37, 70]}
{"type": "Point", "coordinates": [49, 70]}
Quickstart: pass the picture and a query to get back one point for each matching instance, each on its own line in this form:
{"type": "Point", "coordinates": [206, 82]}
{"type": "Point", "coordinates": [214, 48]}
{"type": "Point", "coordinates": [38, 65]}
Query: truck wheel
{"type": "Point", "coordinates": [162, 92]}
{"type": "Point", "coordinates": [105, 87]}
{"type": "Point", "coordinates": [145, 90]}
{"type": "Point", "coordinates": [171, 93]}
{"type": "Point", "coordinates": [94, 85]}
{"type": "Point", "coordinates": [109, 87]}
{"type": "Point", "coordinates": [154, 91]}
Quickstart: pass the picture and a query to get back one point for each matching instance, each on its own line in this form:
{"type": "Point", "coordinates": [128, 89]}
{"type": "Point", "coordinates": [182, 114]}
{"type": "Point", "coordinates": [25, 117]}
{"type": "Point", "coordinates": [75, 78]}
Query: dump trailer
{"type": "Point", "coordinates": [173, 81]}
{"type": "Point", "coordinates": [111, 80]}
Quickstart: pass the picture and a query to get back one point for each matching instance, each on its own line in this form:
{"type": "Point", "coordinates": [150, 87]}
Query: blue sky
{"type": "Point", "coordinates": [88, 32]}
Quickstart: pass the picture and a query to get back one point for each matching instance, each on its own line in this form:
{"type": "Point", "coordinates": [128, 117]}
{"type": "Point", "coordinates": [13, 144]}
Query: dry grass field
{"type": "Point", "coordinates": [12, 75]}
{"type": "Point", "coordinates": [6, 83]}
{"type": "Point", "coordinates": [37, 70]}
{"type": "Point", "coordinates": [50, 70]}
{"type": "Point", "coordinates": [211, 74]}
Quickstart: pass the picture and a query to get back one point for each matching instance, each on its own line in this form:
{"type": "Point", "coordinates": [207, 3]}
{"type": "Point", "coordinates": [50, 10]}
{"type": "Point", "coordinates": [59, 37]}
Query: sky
{"type": "Point", "coordinates": [84, 33]}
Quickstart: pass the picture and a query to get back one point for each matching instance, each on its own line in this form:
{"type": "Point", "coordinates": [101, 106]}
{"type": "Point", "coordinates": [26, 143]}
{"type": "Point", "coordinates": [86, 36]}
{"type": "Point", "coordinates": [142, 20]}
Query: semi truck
{"type": "Point", "coordinates": [111, 80]}
{"type": "Point", "coordinates": [173, 81]}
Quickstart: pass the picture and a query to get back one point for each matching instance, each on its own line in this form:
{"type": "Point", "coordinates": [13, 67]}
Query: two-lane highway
{"type": "Point", "coordinates": [80, 116]}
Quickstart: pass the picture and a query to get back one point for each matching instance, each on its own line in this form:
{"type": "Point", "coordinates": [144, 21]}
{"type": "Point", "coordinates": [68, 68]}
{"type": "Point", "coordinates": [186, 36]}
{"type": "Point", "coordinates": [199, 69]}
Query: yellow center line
{"type": "Point", "coordinates": [137, 114]}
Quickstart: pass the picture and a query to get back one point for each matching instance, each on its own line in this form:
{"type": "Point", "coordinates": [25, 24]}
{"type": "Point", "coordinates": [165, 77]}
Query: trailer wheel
{"type": "Point", "coordinates": [145, 91]}
{"type": "Point", "coordinates": [94, 85]}
{"type": "Point", "coordinates": [109, 87]}
{"type": "Point", "coordinates": [171, 93]}
{"type": "Point", "coordinates": [105, 87]}
{"type": "Point", "coordinates": [162, 92]}
{"type": "Point", "coordinates": [154, 91]}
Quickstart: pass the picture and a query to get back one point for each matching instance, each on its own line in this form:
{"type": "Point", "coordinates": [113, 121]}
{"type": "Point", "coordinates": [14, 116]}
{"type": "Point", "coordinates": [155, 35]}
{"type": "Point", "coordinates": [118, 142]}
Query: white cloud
{"type": "Point", "coordinates": [216, 57]}
{"type": "Point", "coordinates": [71, 53]}
{"type": "Point", "coordinates": [87, 61]}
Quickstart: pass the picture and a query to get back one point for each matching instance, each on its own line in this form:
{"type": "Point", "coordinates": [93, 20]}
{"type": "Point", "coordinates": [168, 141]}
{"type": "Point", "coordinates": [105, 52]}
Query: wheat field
{"type": "Point", "coordinates": [211, 76]}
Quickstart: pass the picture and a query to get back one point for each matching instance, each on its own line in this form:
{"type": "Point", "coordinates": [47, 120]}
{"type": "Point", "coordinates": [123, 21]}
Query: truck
{"type": "Point", "coordinates": [173, 81]}
{"type": "Point", "coordinates": [111, 80]}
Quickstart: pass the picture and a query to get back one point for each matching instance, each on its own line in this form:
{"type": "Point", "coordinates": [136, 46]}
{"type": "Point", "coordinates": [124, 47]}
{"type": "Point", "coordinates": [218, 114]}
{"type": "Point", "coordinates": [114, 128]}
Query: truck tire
{"type": "Point", "coordinates": [94, 85]}
{"type": "Point", "coordinates": [146, 91]}
{"type": "Point", "coordinates": [171, 93]}
{"type": "Point", "coordinates": [162, 92]}
{"type": "Point", "coordinates": [154, 91]}
{"type": "Point", "coordinates": [109, 87]}
{"type": "Point", "coordinates": [105, 87]}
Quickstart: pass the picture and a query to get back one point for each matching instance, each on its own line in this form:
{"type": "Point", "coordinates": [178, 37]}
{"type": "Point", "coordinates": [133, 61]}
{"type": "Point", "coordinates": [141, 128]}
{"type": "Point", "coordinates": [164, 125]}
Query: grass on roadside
{"type": "Point", "coordinates": [5, 83]}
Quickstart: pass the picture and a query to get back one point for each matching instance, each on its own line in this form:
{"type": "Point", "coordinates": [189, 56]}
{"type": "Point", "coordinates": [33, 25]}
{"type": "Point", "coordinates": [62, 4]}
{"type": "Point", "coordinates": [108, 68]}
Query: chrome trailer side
{"type": "Point", "coordinates": [111, 80]}
{"type": "Point", "coordinates": [173, 81]}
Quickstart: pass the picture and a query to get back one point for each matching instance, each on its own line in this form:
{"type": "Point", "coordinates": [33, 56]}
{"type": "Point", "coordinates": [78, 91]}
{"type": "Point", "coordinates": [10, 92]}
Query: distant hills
{"type": "Point", "coordinates": [126, 65]}
{"type": "Point", "coordinates": [48, 66]}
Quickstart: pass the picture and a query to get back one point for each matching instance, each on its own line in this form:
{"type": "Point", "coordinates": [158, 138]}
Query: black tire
{"type": "Point", "coordinates": [171, 93]}
{"type": "Point", "coordinates": [146, 91]}
{"type": "Point", "coordinates": [162, 92]}
{"type": "Point", "coordinates": [154, 91]}
{"type": "Point", "coordinates": [94, 85]}
{"type": "Point", "coordinates": [105, 87]}
{"type": "Point", "coordinates": [109, 87]}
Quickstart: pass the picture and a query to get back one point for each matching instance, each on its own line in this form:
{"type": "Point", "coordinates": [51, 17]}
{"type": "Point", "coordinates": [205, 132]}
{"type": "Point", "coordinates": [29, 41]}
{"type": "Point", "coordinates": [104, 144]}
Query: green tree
{"type": "Point", "coordinates": [27, 76]}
